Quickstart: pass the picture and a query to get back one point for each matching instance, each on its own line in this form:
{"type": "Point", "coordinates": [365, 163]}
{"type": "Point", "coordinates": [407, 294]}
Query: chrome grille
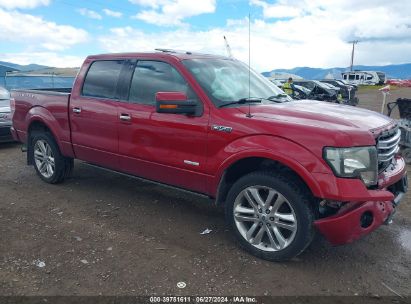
{"type": "Point", "coordinates": [388, 146]}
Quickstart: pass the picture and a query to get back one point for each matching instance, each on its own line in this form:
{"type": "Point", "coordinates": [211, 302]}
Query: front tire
{"type": "Point", "coordinates": [50, 165]}
{"type": "Point", "coordinates": [270, 216]}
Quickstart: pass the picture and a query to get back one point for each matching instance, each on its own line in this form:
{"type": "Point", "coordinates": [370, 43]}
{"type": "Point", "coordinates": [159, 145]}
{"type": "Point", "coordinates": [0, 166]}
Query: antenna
{"type": "Point", "coordinates": [249, 65]}
{"type": "Point", "coordinates": [228, 48]}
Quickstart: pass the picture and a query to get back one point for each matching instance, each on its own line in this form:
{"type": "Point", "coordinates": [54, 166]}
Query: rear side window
{"type": "Point", "coordinates": [151, 77]}
{"type": "Point", "coordinates": [101, 79]}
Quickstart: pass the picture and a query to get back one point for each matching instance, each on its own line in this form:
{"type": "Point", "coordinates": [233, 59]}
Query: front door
{"type": "Point", "coordinates": [170, 148]}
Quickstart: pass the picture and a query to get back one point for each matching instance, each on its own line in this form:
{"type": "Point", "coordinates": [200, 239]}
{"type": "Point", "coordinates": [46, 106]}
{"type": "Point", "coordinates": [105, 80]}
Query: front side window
{"type": "Point", "coordinates": [151, 77]}
{"type": "Point", "coordinates": [101, 79]}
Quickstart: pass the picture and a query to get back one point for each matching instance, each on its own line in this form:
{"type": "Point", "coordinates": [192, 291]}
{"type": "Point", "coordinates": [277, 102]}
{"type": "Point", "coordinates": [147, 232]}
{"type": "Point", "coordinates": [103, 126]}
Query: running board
{"type": "Point", "coordinates": [149, 181]}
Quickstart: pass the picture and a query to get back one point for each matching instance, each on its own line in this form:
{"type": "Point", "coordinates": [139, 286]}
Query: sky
{"type": "Point", "coordinates": [284, 33]}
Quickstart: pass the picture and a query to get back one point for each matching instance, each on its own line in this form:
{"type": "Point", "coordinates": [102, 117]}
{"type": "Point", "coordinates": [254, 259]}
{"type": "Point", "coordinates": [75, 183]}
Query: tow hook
{"type": "Point", "coordinates": [396, 201]}
{"type": "Point", "coordinates": [389, 219]}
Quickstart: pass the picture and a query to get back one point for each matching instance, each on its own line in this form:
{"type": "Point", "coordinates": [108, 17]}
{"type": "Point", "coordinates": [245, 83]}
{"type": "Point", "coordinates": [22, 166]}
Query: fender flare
{"type": "Point", "coordinates": [277, 155]}
{"type": "Point", "coordinates": [42, 115]}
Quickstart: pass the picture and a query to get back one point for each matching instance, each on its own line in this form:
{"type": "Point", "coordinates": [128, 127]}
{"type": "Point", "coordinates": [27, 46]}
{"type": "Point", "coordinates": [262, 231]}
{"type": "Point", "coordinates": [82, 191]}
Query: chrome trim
{"type": "Point", "coordinates": [388, 145]}
{"type": "Point", "coordinates": [192, 163]}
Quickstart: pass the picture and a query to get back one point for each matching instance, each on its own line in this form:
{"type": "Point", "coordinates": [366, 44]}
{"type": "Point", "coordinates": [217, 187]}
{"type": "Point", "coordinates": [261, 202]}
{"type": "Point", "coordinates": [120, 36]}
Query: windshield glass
{"type": "Point", "coordinates": [4, 94]}
{"type": "Point", "coordinates": [4, 105]}
{"type": "Point", "coordinates": [321, 84]}
{"type": "Point", "coordinates": [227, 80]}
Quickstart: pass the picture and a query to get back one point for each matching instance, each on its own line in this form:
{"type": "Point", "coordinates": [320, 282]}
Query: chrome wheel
{"type": "Point", "coordinates": [265, 218]}
{"type": "Point", "coordinates": [44, 158]}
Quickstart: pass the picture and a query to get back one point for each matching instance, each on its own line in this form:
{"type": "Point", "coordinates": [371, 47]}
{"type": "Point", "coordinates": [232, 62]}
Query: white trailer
{"type": "Point", "coordinates": [364, 77]}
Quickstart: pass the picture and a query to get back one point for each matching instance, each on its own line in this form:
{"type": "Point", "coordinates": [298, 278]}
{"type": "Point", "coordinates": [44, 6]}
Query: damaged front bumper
{"type": "Point", "coordinates": [359, 218]}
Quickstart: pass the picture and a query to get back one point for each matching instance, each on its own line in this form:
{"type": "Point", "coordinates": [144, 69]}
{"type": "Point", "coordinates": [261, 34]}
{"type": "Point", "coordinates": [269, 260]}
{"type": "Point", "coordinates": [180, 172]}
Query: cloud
{"type": "Point", "coordinates": [150, 3]}
{"type": "Point", "coordinates": [89, 13]}
{"type": "Point", "coordinates": [277, 10]}
{"type": "Point", "coordinates": [172, 12]}
{"type": "Point", "coordinates": [47, 58]}
{"type": "Point", "coordinates": [13, 4]}
{"type": "Point", "coordinates": [111, 13]}
{"type": "Point", "coordinates": [316, 40]}
{"type": "Point", "coordinates": [35, 32]}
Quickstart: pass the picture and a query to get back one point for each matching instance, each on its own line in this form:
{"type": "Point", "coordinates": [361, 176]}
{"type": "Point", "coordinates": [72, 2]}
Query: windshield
{"type": "Point", "coordinates": [227, 80]}
{"type": "Point", "coordinates": [323, 85]}
{"type": "Point", "coordinates": [4, 105]}
{"type": "Point", "coordinates": [4, 94]}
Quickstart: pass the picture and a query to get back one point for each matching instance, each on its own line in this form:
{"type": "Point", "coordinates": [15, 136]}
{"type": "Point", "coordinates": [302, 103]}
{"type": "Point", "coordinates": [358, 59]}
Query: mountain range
{"type": "Point", "coordinates": [400, 71]}
{"type": "Point", "coordinates": [22, 68]}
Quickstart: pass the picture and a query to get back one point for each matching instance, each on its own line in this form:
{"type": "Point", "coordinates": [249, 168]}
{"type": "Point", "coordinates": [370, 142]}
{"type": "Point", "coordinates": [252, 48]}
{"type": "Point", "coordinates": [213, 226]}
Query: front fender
{"type": "Point", "coordinates": [284, 151]}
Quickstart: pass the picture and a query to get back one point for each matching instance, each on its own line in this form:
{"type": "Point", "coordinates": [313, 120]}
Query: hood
{"type": "Point", "coordinates": [323, 115]}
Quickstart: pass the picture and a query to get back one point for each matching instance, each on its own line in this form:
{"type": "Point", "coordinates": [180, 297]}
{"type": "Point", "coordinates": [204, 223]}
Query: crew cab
{"type": "Point", "coordinates": [283, 169]}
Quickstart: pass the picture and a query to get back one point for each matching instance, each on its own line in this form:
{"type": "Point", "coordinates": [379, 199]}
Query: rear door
{"type": "Point", "coordinates": [170, 148]}
{"type": "Point", "coordinates": [94, 115]}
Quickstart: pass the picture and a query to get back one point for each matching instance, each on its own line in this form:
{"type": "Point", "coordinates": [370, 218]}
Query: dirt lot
{"type": "Point", "coordinates": [102, 233]}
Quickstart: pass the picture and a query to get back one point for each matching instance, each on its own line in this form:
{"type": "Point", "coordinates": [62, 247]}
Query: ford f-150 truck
{"type": "Point", "coordinates": [283, 169]}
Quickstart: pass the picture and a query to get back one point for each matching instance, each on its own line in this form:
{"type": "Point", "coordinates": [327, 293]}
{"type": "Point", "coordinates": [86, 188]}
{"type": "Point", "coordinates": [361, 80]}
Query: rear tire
{"type": "Point", "coordinates": [270, 216]}
{"type": "Point", "coordinates": [50, 165]}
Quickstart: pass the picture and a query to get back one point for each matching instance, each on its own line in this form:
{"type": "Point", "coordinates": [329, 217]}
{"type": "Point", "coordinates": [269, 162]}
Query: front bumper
{"type": "Point", "coordinates": [359, 218]}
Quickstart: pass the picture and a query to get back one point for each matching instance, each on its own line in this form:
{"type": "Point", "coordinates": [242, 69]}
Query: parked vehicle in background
{"type": "Point", "coordinates": [347, 92]}
{"type": "Point", "coordinates": [404, 109]}
{"type": "Point", "coordinates": [347, 83]}
{"type": "Point", "coordinates": [301, 93]}
{"type": "Point", "coordinates": [400, 82]}
{"type": "Point", "coordinates": [318, 90]}
{"type": "Point", "coordinates": [364, 77]}
{"type": "Point", "coordinates": [278, 83]}
{"type": "Point", "coordinates": [5, 116]}
{"type": "Point", "coordinates": [282, 169]}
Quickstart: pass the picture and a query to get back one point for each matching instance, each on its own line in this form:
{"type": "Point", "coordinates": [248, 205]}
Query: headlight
{"type": "Point", "coordinates": [358, 162]}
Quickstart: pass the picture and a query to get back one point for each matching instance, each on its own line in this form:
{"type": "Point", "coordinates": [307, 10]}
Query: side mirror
{"type": "Point", "coordinates": [175, 103]}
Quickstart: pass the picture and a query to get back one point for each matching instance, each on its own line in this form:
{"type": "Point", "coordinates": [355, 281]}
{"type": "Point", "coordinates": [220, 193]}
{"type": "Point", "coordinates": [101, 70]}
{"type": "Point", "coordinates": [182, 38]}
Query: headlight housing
{"type": "Point", "coordinates": [356, 162]}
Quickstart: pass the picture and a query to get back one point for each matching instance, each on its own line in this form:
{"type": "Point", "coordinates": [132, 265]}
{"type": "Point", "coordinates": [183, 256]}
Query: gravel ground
{"type": "Point", "coordinates": [100, 233]}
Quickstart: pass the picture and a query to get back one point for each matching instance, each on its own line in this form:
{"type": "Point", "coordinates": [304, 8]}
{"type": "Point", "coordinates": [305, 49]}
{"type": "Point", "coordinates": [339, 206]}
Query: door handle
{"type": "Point", "coordinates": [125, 117]}
{"type": "Point", "coordinates": [77, 110]}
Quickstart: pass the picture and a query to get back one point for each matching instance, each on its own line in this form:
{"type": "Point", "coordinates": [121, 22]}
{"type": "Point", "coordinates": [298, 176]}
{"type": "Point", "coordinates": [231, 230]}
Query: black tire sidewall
{"type": "Point", "coordinates": [297, 199]}
{"type": "Point", "coordinates": [59, 161]}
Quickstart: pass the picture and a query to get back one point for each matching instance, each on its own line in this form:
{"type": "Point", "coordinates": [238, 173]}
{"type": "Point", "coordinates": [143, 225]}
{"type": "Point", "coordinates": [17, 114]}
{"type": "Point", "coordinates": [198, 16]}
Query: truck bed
{"type": "Point", "coordinates": [51, 104]}
{"type": "Point", "coordinates": [46, 91]}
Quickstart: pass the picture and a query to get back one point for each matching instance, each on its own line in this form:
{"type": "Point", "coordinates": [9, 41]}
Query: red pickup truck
{"type": "Point", "coordinates": [282, 169]}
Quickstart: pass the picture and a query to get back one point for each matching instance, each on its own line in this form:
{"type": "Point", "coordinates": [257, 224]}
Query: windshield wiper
{"type": "Point", "coordinates": [276, 97]}
{"type": "Point", "coordinates": [243, 101]}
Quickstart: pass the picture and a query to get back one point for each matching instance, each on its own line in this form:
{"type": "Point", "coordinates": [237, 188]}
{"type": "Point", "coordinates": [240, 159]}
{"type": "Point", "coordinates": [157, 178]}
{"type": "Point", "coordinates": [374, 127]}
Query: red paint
{"type": "Point", "coordinates": [155, 145]}
{"type": "Point", "coordinates": [345, 228]}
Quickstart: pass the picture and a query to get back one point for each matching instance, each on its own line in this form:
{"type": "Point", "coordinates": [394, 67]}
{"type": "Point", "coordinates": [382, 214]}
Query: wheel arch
{"type": "Point", "coordinates": [262, 161]}
{"type": "Point", "coordinates": [37, 125]}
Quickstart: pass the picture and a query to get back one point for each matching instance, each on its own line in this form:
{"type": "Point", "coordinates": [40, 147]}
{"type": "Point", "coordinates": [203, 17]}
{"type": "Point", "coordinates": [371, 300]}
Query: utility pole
{"type": "Point", "coordinates": [354, 42]}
